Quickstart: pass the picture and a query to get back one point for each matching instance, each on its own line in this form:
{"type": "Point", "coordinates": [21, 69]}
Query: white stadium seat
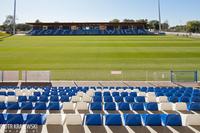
{"type": "Point", "coordinates": [75, 99]}
{"type": "Point", "coordinates": [81, 106]}
{"type": "Point", "coordinates": [165, 106]}
{"type": "Point", "coordinates": [73, 119]}
{"type": "Point", "coordinates": [55, 119]}
{"type": "Point", "coordinates": [68, 106]}
{"type": "Point", "coordinates": [162, 99]}
{"type": "Point", "coordinates": [180, 106]}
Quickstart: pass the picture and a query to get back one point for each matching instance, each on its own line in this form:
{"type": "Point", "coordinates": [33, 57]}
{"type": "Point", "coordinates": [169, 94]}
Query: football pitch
{"type": "Point", "coordinates": [94, 57]}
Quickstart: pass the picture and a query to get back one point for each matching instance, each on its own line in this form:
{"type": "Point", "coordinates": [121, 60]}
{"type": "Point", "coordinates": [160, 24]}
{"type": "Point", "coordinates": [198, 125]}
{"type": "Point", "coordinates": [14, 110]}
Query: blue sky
{"type": "Point", "coordinates": [175, 11]}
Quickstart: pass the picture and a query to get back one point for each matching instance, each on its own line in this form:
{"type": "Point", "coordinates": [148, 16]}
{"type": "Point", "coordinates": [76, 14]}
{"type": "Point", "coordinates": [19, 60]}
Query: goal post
{"type": "Point", "coordinates": [184, 76]}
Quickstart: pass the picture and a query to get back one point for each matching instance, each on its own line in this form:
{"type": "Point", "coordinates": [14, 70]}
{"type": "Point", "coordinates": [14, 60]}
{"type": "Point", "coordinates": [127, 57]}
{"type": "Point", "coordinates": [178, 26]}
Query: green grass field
{"type": "Point", "coordinates": [94, 57]}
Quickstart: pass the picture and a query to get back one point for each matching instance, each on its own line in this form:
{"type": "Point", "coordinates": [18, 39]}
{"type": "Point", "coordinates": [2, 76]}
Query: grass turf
{"type": "Point", "coordinates": [93, 57]}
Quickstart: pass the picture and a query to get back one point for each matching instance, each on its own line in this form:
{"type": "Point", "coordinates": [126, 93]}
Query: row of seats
{"type": "Point", "coordinates": [99, 106]}
{"type": "Point", "coordinates": [63, 98]}
{"type": "Point", "coordinates": [159, 99]}
{"type": "Point", "coordinates": [99, 119]}
{"type": "Point", "coordinates": [145, 106]}
{"type": "Point", "coordinates": [89, 32]}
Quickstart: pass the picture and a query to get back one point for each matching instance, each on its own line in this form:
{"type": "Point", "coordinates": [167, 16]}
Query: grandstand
{"type": "Point", "coordinates": [89, 28]}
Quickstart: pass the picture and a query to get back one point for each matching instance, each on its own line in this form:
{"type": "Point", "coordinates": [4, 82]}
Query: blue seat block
{"type": "Point", "coordinates": [97, 99]}
{"type": "Point", "coordinates": [13, 106]}
{"type": "Point", "coordinates": [54, 106]}
{"type": "Point", "coordinates": [37, 119]}
{"type": "Point", "coordinates": [137, 106]}
{"type": "Point", "coordinates": [115, 94]}
{"type": "Point", "coordinates": [151, 106]}
{"type": "Point", "coordinates": [124, 94]}
{"type": "Point", "coordinates": [27, 106]}
{"type": "Point", "coordinates": [2, 119]}
{"type": "Point", "coordinates": [106, 94]}
{"type": "Point", "coordinates": [173, 99]}
{"type": "Point", "coordinates": [132, 119]}
{"type": "Point", "coordinates": [129, 99]}
{"type": "Point", "coordinates": [2, 106]}
{"type": "Point", "coordinates": [93, 119]}
{"type": "Point", "coordinates": [171, 119]}
{"type": "Point", "coordinates": [185, 99]}
{"type": "Point", "coordinates": [152, 119]}
{"type": "Point", "coordinates": [194, 106]}
{"type": "Point", "coordinates": [22, 98]}
{"type": "Point", "coordinates": [40, 106]}
{"type": "Point", "coordinates": [140, 99]}
{"type": "Point", "coordinates": [54, 98]}
{"type": "Point", "coordinates": [113, 120]}
{"type": "Point", "coordinates": [96, 106]}
{"type": "Point", "coordinates": [43, 98]}
{"type": "Point", "coordinates": [195, 99]}
{"type": "Point", "coordinates": [15, 119]}
{"type": "Point", "coordinates": [133, 94]}
{"type": "Point", "coordinates": [33, 98]}
{"type": "Point", "coordinates": [108, 99]}
{"type": "Point", "coordinates": [119, 99]}
{"type": "Point", "coordinates": [64, 98]}
{"type": "Point", "coordinates": [110, 106]}
{"type": "Point", "coordinates": [123, 106]}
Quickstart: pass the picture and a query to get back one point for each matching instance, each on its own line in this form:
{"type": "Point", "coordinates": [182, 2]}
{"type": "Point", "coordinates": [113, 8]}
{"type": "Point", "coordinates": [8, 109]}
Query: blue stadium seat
{"type": "Point", "coordinates": [108, 99]}
{"type": "Point", "coordinates": [37, 94]}
{"type": "Point", "coordinates": [40, 106]}
{"type": "Point", "coordinates": [106, 93]}
{"type": "Point", "coordinates": [133, 94]}
{"type": "Point", "coordinates": [54, 106]}
{"type": "Point", "coordinates": [54, 98]}
{"type": "Point", "coordinates": [2, 105]}
{"type": "Point", "coordinates": [132, 119]}
{"type": "Point", "coordinates": [140, 99]}
{"type": "Point", "coordinates": [171, 119]}
{"type": "Point", "coordinates": [15, 119]}
{"type": "Point", "coordinates": [38, 119]}
{"type": "Point", "coordinates": [33, 98]}
{"type": "Point", "coordinates": [195, 99]}
{"type": "Point", "coordinates": [173, 99]}
{"type": "Point", "coordinates": [115, 94]}
{"type": "Point", "coordinates": [10, 93]}
{"type": "Point", "coordinates": [27, 106]}
{"type": "Point", "coordinates": [123, 106]}
{"type": "Point", "coordinates": [97, 99]}
{"type": "Point", "coordinates": [98, 94]}
{"type": "Point", "coordinates": [185, 99]}
{"type": "Point", "coordinates": [119, 99]}
{"type": "Point", "coordinates": [64, 98]}
{"type": "Point", "coordinates": [93, 119]}
{"type": "Point", "coordinates": [124, 94]}
{"type": "Point", "coordinates": [3, 93]}
{"type": "Point", "coordinates": [2, 119]}
{"type": "Point", "coordinates": [129, 99]}
{"type": "Point", "coordinates": [96, 106]}
{"type": "Point", "coordinates": [152, 119]}
{"type": "Point", "coordinates": [194, 106]}
{"type": "Point", "coordinates": [13, 106]}
{"type": "Point", "coordinates": [110, 106]}
{"type": "Point", "coordinates": [43, 98]}
{"type": "Point", "coordinates": [151, 106]}
{"type": "Point", "coordinates": [113, 120]}
{"type": "Point", "coordinates": [22, 98]}
{"type": "Point", "coordinates": [137, 106]}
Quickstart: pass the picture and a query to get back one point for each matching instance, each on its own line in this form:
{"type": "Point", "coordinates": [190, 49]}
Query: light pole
{"type": "Point", "coordinates": [159, 15]}
{"type": "Point", "coordinates": [14, 18]}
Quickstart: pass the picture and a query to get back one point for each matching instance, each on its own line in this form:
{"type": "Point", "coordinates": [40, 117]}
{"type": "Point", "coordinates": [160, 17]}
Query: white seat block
{"type": "Point", "coordinates": [81, 106]}
{"type": "Point", "coordinates": [90, 93]}
{"type": "Point", "coordinates": [2, 98]}
{"type": "Point", "coordinates": [151, 99]}
{"type": "Point", "coordinates": [75, 99]}
{"type": "Point", "coordinates": [11, 99]}
{"type": "Point", "coordinates": [68, 106]}
{"type": "Point", "coordinates": [165, 106]}
{"type": "Point", "coordinates": [192, 120]}
{"type": "Point", "coordinates": [86, 98]}
{"type": "Point", "coordinates": [80, 94]}
{"type": "Point", "coordinates": [162, 99]}
{"type": "Point", "coordinates": [55, 119]}
{"type": "Point", "coordinates": [180, 106]}
{"type": "Point", "coordinates": [141, 94]}
{"type": "Point", "coordinates": [73, 119]}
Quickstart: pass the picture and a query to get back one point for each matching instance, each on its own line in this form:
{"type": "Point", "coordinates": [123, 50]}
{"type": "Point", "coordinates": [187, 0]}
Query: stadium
{"type": "Point", "coordinates": [129, 76]}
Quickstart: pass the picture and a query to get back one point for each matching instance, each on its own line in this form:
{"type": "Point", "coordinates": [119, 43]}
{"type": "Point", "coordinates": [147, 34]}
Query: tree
{"type": "Point", "coordinates": [8, 24]}
{"type": "Point", "coordinates": [193, 26]}
{"type": "Point", "coordinates": [23, 27]}
{"type": "Point", "coordinates": [115, 21]}
{"type": "Point", "coordinates": [128, 20]}
{"type": "Point", "coordinates": [153, 24]}
{"type": "Point", "coordinates": [37, 21]}
{"type": "Point", "coordinates": [165, 26]}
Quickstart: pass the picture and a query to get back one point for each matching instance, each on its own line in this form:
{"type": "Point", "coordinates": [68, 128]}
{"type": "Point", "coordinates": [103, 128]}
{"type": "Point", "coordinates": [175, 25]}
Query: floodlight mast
{"type": "Point", "coordinates": [159, 14]}
{"type": "Point", "coordinates": [14, 18]}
